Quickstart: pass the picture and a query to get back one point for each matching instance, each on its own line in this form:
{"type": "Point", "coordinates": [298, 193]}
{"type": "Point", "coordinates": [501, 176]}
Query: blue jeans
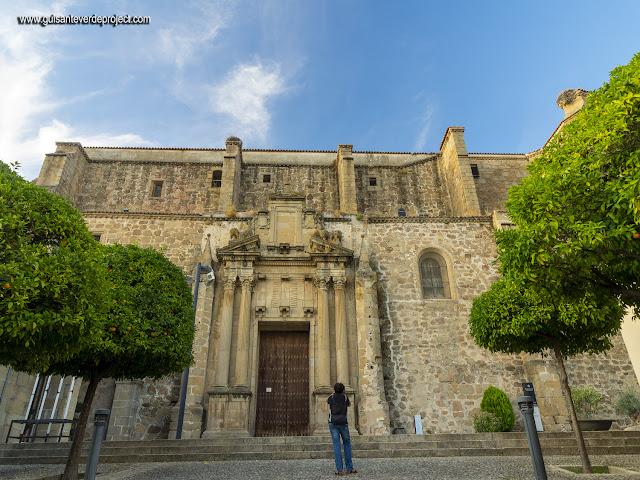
{"type": "Point", "coordinates": [338, 431]}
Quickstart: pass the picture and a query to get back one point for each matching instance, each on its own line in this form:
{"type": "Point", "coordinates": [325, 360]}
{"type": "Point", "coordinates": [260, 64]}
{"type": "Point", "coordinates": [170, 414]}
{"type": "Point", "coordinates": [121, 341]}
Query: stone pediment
{"type": "Point", "coordinates": [248, 244]}
{"type": "Point", "coordinates": [321, 245]}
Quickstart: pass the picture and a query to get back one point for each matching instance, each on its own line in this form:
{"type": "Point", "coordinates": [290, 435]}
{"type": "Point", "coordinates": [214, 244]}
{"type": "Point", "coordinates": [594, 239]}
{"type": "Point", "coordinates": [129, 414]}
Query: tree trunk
{"type": "Point", "coordinates": [586, 464]}
{"type": "Point", "coordinates": [71, 469]}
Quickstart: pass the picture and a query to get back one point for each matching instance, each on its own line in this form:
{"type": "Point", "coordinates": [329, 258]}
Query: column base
{"type": "Point", "coordinates": [228, 412]}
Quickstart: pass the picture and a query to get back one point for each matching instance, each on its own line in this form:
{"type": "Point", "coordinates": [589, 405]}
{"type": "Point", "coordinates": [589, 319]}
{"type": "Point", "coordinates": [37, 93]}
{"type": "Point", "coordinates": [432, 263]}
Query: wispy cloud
{"type": "Point", "coordinates": [28, 128]}
{"type": "Point", "coordinates": [185, 39]}
{"type": "Point", "coordinates": [424, 122]}
{"type": "Point", "coordinates": [243, 97]}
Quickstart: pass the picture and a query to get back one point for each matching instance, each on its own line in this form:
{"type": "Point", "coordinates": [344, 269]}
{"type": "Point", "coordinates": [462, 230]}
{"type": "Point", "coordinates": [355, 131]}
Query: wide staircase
{"type": "Point", "coordinates": [290, 448]}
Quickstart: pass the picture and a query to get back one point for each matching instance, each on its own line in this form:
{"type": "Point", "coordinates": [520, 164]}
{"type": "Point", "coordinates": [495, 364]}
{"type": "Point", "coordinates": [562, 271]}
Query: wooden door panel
{"type": "Point", "coordinates": [283, 384]}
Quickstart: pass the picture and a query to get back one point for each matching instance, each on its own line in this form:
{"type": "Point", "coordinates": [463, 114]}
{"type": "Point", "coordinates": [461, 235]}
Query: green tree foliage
{"type": "Point", "coordinates": [51, 276]}
{"type": "Point", "coordinates": [71, 306]}
{"type": "Point", "coordinates": [574, 259]}
{"type": "Point", "coordinates": [514, 317]}
{"type": "Point", "coordinates": [496, 401]}
{"type": "Point", "coordinates": [578, 211]}
{"type": "Point", "coordinates": [146, 332]}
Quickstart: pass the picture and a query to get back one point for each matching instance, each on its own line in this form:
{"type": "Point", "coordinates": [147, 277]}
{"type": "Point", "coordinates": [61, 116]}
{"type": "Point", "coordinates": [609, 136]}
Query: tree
{"type": "Point", "coordinates": [51, 276]}
{"type": "Point", "coordinates": [514, 317]}
{"type": "Point", "coordinates": [71, 306]}
{"type": "Point", "coordinates": [578, 211]}
{"type": "Point", "coordinates": [147, 331]}
{"type": "Point", "coordinates": [574, 259]}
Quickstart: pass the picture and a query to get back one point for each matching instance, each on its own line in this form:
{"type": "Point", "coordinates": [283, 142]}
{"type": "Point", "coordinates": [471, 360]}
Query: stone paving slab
{"type": "Point", "coordinates": [440, 468]}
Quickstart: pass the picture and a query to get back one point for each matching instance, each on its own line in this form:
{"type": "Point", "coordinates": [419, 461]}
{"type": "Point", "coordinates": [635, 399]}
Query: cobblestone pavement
{"type": "Point", "coordinates": [440, 468]}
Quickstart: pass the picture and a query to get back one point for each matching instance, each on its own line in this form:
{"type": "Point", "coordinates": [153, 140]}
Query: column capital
{"type": "Point", "coordinates": [322, 283]}
{"type": "Point", "coordinates": [247, 282]}
{"type": "Point", "coordinates": [339, 283]}
{"type": "Point", "coordinates": [230, 283]}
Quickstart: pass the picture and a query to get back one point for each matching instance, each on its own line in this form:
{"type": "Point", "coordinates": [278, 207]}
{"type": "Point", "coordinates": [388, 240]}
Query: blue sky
{"type": "Point", "coordinates": [309, 75]}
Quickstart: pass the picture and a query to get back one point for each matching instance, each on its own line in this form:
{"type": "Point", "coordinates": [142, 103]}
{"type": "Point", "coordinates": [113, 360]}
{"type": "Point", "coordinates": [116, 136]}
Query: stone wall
{"type": "Point", "coordinates": [180, 236]}
{"type": "Point", "coordinates": [431, 364]}
{"type": "Point", "coordinates": [425, 362]}
{"type": "Point", "coordinates": [111, 186]}
{"type": "Point", "coordinates": [318, 183]}
{"type": "Point", "coordinates": [497, 173]}
{"type": "Point", "coordinates": [416, 188]}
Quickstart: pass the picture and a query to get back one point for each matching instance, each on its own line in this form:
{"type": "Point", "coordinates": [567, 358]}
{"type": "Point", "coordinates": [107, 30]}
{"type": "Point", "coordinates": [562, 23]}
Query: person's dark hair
{"type": "Point", "coordinates": [338, 387]}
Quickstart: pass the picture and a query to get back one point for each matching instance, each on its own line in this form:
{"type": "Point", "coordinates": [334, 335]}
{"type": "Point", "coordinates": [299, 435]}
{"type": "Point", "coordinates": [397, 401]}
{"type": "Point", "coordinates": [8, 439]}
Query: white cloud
{"type": "Point", "coordinates": [185, 39]}
{"type": "Point", "coordinates": [30, 152]}
{"type": "Point", "coordinates": [27, 57]}
{"type": "Point", "coordinates": [425, 127]}
{"type": "Point", "coordinates": [243, 96]}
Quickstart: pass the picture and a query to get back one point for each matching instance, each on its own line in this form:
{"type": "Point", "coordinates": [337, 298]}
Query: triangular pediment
{"type": "Point", "coordinates": [320, 245]}
{"type": "Point", "coordinates": [248, 244]}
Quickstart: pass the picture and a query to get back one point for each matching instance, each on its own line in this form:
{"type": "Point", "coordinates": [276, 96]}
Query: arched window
{"type": "Point", "coordinates": [434, 277]}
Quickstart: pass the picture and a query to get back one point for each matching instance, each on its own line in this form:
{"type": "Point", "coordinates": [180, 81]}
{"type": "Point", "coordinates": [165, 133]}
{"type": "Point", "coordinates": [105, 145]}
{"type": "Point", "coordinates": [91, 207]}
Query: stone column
{"type": "Point", "coordinates": [346, 179]}
{"type": "Point", "coordinates": [223, 354]}
{"type": "Point", "coordinates": [456, 172]}
{"type": "Point", "coordinates": [323, 373]}
{"type": "Point", "coordinates": [373, 409]}
{"type": "Point", "coordinates": [342, 350]}
{"type": "Point", "coordinates": [244, 332]}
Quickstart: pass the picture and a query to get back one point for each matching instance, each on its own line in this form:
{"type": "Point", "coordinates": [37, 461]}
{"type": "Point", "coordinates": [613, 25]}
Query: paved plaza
{"type": "Point", "coordinates": [436, 468]}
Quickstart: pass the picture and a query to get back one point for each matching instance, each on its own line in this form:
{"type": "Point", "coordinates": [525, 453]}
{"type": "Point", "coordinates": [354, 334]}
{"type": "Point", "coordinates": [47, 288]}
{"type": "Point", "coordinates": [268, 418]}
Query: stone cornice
{"type": "Point", "coordinates": [156, 162]}
{"type": "Point", "coordinates": [421, 219]}
{"type": "Point", "coordinates": [497, 156]}
{"type": "Point", "coordinates": [120, 214]}
{"type": "Point", "coordinates": [189, 216]}
{"type": "Point", "coordinates": [287, 262]}
{"type": "Point", "coordinates": [292, 164]}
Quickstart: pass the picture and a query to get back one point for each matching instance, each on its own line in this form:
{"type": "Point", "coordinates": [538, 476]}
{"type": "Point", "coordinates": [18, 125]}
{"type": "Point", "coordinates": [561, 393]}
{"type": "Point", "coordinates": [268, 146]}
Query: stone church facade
{"type": "Point", "coordinates": [357, 267]}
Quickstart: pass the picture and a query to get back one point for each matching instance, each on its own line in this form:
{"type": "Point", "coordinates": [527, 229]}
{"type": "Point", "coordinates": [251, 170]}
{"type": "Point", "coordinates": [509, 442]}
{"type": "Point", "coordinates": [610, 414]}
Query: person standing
{"type": "Point", "coordinates": [339, 427]}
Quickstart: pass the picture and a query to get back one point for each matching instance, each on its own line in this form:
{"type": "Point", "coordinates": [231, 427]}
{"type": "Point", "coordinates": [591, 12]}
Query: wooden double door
{"type": "Point", "coordinates": [283, 384]}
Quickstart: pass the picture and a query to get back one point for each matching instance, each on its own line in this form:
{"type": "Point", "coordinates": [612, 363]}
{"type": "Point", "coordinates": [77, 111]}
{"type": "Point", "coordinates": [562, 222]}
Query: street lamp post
{"type": "Point", "coordinates": [185, 375]}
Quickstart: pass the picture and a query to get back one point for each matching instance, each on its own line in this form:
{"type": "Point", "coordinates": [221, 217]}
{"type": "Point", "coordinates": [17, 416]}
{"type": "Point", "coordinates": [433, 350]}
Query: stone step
{"type": "Point", "coordinates": [271, 448]}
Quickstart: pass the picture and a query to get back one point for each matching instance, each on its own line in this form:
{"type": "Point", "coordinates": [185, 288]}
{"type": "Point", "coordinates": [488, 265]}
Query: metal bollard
{"type": "Point", "coordinates": [526, 407]}
{"type": "Point", "coordinates": [101, 420]}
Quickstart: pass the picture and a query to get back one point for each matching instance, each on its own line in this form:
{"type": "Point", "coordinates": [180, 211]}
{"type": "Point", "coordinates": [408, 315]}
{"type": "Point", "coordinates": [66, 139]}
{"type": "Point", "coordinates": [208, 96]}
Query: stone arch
{"type": "Point", "coordinates": [435, 274]}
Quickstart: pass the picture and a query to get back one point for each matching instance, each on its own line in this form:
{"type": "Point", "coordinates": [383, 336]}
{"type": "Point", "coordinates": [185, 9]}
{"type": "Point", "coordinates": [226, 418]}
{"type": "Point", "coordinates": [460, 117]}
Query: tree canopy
{"type": "Point", "coordinates": [573, 262]}
{"type": "Point", "coordinates": [71, 306]}
{"type": "Point", "coordinates": [515, 317]}
{"type": "Point", "coordinates": [147, 329]}
{"type": "Point", "coordinates": [51, 276]}
{"type": "Point", "coordinates": [578, 210]}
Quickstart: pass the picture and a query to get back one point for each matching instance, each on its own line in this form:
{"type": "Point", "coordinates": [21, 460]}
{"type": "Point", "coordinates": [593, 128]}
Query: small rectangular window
{"type": "Point", "coordinates": [217, 179]}
{"type": "Point", "coordinates": [474, 171]}
{"type": "Point", "coordinates": [157, 188]}
{"type": "Point", "coordinates": [97, 236]}
{"type": "Point", "coordinates": [266, 178]}
{"type": "Point", "coordinates": [373, 181]}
